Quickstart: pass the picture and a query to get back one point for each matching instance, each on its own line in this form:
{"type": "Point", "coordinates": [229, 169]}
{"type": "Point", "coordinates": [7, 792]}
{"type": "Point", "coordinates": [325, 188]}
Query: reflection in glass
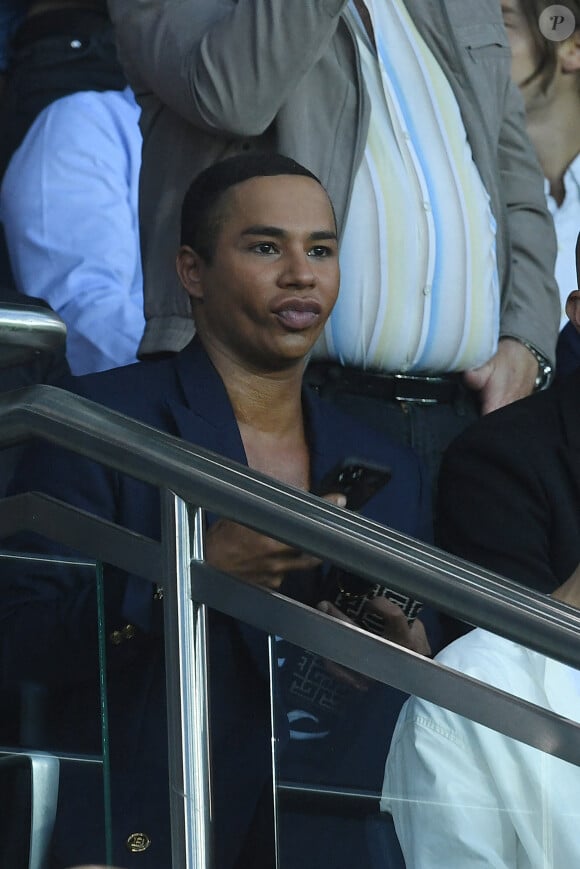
{"type": "Point", "coordinates": [54, 728]}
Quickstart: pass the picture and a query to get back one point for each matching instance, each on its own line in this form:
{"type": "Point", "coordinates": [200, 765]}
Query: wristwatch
{"type": "Point", "coordinates": [544, 375]}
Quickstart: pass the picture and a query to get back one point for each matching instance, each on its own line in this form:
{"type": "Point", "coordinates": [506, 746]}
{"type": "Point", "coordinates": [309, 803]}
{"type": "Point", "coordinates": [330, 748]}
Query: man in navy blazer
{"type": "Point", "coordinates": [259, 259]}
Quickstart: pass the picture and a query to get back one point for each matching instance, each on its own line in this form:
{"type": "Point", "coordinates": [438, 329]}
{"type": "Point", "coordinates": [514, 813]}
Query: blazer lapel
{"type": "Point", "coordinates": [202, 413]}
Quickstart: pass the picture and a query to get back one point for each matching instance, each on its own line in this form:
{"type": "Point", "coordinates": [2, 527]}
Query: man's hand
{"type": "Point", "coordinates": [569, 591]}
{"type": "Point", "coordinates": [250, 556]}
{"type": "Point", "coordinates": [507, 376]}
{"type": "Point", "coordinates": [395, 628]}
{"type": "Point", "coordinates": [254, 558]}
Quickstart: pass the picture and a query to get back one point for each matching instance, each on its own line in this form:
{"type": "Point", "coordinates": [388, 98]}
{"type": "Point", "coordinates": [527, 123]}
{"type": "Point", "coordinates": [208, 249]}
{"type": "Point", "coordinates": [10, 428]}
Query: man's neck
{"type": "Point", "coordinates": [555, 132]}
{"type": "Point", "coordinates": [268, 409]}
{"type": "Point", "coordinates": [267, 401]}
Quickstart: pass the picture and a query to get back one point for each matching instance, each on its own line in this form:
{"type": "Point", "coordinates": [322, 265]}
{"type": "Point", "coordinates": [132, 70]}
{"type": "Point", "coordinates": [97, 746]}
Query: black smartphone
{"type": "Point", "coordinates": [358, 479]}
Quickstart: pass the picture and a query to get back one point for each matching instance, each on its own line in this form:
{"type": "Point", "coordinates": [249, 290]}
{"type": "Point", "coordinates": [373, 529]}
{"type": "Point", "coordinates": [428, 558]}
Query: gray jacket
{"type": "Point", "coordinates": [215, 77]}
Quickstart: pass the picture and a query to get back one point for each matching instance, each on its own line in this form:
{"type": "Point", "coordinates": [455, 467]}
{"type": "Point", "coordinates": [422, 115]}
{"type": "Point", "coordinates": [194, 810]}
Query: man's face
{"type": "Point", "coordinates": [273, 279]}
{"type": "Point", "coordinates": [524, 60]}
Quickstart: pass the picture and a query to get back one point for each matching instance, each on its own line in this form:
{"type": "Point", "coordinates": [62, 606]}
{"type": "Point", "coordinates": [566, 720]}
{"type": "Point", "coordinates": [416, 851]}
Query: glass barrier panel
{"type": "Point", "coordinates": [463, 794]}
{"type": "Point", "coordinates": [55, 784]}
{"type": "Point", "coordinates": [332, 729]}
{"type": "Point", "coordinates": [366, 778]}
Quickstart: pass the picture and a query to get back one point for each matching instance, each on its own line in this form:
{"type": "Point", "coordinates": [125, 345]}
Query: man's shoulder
{"type": "Point", "coordinates": [492, 660]}
{"type": "Point", "coordinates": [480, 654]}
{"type": "Point", "coordinates": [135, 390]}
{"type": "Point", "coordinates": [519, 425]}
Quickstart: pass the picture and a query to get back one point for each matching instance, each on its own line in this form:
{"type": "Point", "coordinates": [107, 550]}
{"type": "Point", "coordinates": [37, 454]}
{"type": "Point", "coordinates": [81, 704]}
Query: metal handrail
{"type": "Point", "coordinates": [186, 473]}
{"type": "Point", "coordinates": [448, 583]}
{"type": "Point", "coordinates": [29, 330]}
{"type": "Point", "coordinates": [301, 625]}
{"type": "Point", "coordinates": [357, 544]}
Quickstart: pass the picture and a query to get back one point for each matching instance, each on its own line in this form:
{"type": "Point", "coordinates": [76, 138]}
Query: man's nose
{"type": "Point", "coordinates": [298, 270]}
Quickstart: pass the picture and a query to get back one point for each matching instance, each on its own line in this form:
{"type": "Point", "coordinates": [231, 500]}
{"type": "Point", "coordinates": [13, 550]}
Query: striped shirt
{"type": "Point", "coordinates": [419, 274]}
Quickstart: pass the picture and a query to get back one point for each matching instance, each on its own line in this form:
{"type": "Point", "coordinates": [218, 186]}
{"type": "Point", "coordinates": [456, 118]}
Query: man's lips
{"type": "Point", "coordinates": [298, 314]}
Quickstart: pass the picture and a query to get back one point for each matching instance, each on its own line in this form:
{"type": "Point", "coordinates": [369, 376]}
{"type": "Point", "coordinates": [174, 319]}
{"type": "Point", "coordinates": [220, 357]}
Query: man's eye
{"type": "Point", "coordinates": [265, 247]}
{"type": "Point", "coordinates": [320, 250]}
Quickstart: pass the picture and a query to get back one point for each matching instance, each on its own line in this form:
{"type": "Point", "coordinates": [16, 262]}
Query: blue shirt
{"type": "Point", "coordinates": [69, 205]}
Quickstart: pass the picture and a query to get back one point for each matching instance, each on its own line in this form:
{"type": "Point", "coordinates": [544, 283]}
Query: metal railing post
{"type": "Point", "coordinates": [185, 624]}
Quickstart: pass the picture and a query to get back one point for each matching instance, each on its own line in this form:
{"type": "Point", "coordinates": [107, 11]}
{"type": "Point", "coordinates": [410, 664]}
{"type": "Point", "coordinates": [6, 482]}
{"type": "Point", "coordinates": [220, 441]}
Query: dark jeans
{"type": "Point", "coordinates": [427, 428]}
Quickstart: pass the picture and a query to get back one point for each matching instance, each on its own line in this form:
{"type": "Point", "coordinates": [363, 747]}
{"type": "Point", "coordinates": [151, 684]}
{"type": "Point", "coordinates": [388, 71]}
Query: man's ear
{"type": "Point", "coordinates": [569, 53]}
{"type": "Point", "coordinates": [573, 309]}
{"type": "Point", "coordinates": [573, 300]}
{"type": "Point", "coordinates": [190, 268]}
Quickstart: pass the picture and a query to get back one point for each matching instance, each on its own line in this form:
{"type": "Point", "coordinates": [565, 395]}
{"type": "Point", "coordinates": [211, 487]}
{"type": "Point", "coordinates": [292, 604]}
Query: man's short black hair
{"type": "Point", "coordinates": [201, 215]}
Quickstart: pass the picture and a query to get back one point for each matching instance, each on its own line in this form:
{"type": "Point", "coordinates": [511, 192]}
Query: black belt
{"type": "Point", "coordinates": [328, 377]}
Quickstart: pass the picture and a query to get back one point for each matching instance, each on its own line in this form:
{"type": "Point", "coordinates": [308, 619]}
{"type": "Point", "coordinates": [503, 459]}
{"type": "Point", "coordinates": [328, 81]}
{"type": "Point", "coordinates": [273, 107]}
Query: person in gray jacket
{"type": "Point", "coordinates": [406, 111]}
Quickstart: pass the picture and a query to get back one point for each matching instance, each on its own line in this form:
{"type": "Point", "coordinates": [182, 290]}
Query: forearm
{"type": "Point", "coordinates": [223, 66]}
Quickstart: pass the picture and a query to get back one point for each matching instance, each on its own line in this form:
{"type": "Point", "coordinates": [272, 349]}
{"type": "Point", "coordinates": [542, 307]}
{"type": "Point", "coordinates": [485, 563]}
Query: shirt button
{"type": "Point", "coordinates": [426, 289]}
{"type": "Point", "coordinates": [426, 206]}
{"type": "Point", "coordinates": [76, 43]}
{"type": "Point", "coordinates": [138, 842]}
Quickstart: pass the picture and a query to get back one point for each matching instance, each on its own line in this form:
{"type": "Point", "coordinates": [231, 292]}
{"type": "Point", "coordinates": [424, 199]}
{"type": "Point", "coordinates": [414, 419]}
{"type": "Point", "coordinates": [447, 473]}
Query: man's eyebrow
{"type": "Point", "coordinates": [277, 232]}
{"type": "Point", "coordinates": [324, 235]}
{"type": "Point", "coordinates": [259, 229]}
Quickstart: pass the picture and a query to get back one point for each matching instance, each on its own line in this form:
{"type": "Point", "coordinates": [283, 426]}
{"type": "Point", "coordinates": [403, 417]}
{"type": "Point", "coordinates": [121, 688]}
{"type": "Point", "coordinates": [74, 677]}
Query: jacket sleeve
{"type": "Point", "coordinates": [222, 65]}
{"type": "Point", "coordinates": [531, 308]}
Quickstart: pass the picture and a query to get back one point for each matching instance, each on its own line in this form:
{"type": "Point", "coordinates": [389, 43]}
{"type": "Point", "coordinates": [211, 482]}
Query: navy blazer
{"type": "Point", "coordinates": [48, 617]}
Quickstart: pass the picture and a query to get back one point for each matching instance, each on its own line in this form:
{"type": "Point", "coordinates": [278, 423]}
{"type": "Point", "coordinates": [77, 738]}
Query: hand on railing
{"type": "Point", "coordinates": [395, 628]}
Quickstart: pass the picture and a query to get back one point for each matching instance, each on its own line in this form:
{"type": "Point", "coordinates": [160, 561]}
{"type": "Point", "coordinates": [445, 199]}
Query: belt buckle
{"type": "Point", "coordinates": [399, 396]}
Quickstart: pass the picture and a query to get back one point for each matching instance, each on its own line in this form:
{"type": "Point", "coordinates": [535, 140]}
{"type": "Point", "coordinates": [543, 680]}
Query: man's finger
{"type": "Point", "coordinates": [343, 674]}
{"type": "Point", "coordinates": [335, 498]}
{"type": "Point", "coordinates": [325, 606]}
{"type": "Point", "coordinates": [396, 627]}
